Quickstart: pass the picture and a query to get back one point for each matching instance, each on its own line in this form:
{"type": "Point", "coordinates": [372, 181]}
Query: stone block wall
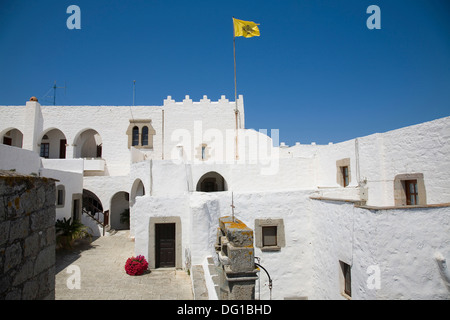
{"type": "Point", "coordinates": [27, 237]}
{"type": "Point", "coordinates": [236, 260]}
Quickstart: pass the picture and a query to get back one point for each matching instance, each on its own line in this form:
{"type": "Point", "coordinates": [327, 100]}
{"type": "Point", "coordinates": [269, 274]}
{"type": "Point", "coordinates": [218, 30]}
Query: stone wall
{"type": "Point", "coordinates": [27, 237]}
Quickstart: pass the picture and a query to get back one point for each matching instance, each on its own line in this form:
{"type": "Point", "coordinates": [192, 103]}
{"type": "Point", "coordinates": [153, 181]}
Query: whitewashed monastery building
{"type": "Point", "coordinates": [367, 218]}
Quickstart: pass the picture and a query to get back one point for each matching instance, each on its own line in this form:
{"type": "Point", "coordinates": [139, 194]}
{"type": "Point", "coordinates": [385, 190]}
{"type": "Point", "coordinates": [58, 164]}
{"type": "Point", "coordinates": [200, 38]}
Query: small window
{"type": "Point", "coordinates": [269, 236]}
{"type": "Point", "coordinates": [145, 136]}
{"type": "Point", "coordinates": [347, 279]}
{"type": "Point", "coordinates": [204, 152]}
{"type": "Point", "coordinates": [345, 176]}
{"type": "Point", "coordinates": [135, 137]}
{"type": "Point", "coordinates": [412, 195]}
{"type": "Point", "coordinates": [45, 150]}
{"type": "Point", "coordinates": [409, 189]}
{"type": "Point", "coordinates": [60, 200]}
{"type": "Point", "coordinates": [60, 196]}
{"type": "Point", "coordinates": [343, 172]}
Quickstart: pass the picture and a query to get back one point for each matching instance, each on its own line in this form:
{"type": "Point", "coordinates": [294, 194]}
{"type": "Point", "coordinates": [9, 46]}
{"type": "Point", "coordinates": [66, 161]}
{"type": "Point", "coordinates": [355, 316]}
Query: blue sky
{"type": "Point", "coordinates": [316, 73]}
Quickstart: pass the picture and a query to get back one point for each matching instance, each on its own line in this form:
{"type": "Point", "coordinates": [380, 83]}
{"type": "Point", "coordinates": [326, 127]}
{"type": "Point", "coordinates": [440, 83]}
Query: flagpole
{"type": "Point", "coordinates": [235, 91]}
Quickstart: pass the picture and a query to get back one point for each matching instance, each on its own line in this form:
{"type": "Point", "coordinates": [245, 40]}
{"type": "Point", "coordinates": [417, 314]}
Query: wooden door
{"type": "Point", "coordinates": [7, 141]}
{"type": "Point", "coordinates": [62, 148]}
{"type": "Point", "coordinates": [165, 245]}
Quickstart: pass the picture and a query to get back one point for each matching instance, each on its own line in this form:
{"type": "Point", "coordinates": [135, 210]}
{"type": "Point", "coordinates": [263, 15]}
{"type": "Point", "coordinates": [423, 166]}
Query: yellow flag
{"type": "Point", "coordinates": [246, 29]}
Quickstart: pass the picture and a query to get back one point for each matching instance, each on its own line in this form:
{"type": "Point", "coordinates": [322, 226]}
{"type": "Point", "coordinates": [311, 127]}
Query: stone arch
{"type": "Point", "coordinates": [137, 190]}
{"type": "Point", "coordinates": [88, 144]}
{"type": "Point", "coordinates": [12, 137]}
{"type": "Point", "coordinates": [212, 182]}
{"type": "Point", "coordinates": [92, 204]}
{"type": "Point", "coordinates": [52, 144]}
{"type": "Point", "coordinates": [120, 203]}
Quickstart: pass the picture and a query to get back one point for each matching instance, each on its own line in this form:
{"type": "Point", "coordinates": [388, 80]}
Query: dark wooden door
{"type": "Point", "coordinates": [7, 141]}
{"type": "Point", "coordinates": [165, 245]}
{"type": "Point", "coordinates": [62, 148]}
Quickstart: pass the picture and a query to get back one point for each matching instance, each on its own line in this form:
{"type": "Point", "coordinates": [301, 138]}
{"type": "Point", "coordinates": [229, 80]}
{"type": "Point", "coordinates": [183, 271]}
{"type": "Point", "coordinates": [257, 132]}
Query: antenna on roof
{"type": "Point", "coordinates": [54, 91]}
{"type": "Point", "coordinates": [232, 207]}
{"type": "Point", "coordinates": [134, 90]}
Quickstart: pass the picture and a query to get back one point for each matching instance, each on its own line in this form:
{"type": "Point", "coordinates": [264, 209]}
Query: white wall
{"type": "Point", "coordinates": [423, 148]}
{"type": "Point", "coordinates": [376, 160]}
{"type": "Point", "coordinates": [73, 184]}
{"type": "Point", "coordinates": [402, 243]}
{"type": "Point", "coordinates": [105, 187]}
{"type": "Point", "coordinates": [23, 161]}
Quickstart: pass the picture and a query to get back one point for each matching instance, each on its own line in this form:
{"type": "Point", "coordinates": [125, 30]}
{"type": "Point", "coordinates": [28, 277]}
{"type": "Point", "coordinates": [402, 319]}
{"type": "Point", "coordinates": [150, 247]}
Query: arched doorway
{"type": "Point", "coordinates": [137, 190]}
{"type": "Point", "coordinates": [88, 144]}
{"type": "Point", "coordinates": [53, 144]}
{"type": "Point", "coordinates": [92, 206]}
{"type": "Point", "coordinates": [13, 138]}
{"type": "Point", "coordinates": [120, 211]}
{"type": "Point", "coordinates": [212, 182]}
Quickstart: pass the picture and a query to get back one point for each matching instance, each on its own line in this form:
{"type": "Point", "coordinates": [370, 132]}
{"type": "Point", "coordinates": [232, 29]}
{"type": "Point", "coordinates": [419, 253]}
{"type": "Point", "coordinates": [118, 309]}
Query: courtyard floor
{"type": "Point", "coordinates": [102, 274]}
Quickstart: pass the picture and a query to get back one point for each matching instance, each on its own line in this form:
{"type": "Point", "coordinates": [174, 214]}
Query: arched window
{"type": "Point", "coordinates": [145, 136]}
{"type": "Point", "coordinates": [140, 134]}
{"type": "Point", "coordinates": [135, 140]}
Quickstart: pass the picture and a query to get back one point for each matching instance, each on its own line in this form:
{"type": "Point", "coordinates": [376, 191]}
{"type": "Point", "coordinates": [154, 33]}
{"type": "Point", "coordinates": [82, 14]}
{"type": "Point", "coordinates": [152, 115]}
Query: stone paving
{"type": "Point", "coordinates": [102, 274]}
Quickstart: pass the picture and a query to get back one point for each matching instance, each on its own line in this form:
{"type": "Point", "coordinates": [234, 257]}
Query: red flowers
{"type": "Point", "coordinates": [136, 266]}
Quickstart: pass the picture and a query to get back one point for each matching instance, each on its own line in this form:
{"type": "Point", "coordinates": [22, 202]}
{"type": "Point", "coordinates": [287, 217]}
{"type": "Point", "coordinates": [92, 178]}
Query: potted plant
{"type": "Point", "coordinates": [136, 266]}
{"type": "Point", "coordinates": [125, 217]}
{"type": "Point", "coordinates": [68, 230]}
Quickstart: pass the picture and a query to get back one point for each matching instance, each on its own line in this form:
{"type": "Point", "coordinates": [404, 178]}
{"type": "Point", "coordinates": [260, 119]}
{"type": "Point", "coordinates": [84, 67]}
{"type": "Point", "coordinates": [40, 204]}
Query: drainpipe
{"type": "Point", "coordinates": [268, 275]}
{"type": "Point", "coordinates": [162, 134]}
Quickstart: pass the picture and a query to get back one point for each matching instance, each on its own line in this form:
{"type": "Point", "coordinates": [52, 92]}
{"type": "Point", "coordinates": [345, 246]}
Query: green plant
{"type": "Point", "coordinates": [125, 216]}
{"type": "Point", "coordinates": [68, 230]}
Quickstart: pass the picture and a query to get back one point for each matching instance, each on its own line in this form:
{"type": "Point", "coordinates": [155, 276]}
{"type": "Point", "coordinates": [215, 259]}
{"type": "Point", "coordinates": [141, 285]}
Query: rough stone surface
{"type": "Point", "coordinates": [27, 237]}
{"type": "Point", "coordinates": [236, 259]}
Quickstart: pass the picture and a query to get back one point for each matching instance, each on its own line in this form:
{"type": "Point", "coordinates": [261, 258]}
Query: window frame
{"type": "Point", "coordinates": [269, 229]}
{"type": "Point", "coordinates": [409, 194]}
{"type": "Point", "coordinates": [277, 223]}
{"type": "Point", "coordinates": [402, 192]}
{"type": "Point", "coordinates": [345, 176]}
{"type": "Point", "coordinates": [144, 136]}
{"type": "Point", "coordinates": [44, 150]}
{"type": "Point", "coordinates": [135, 136]}
{"type": "Point", "coordinates": [137, 139]}
{"type": "Point", "coordinates": [60, 200]}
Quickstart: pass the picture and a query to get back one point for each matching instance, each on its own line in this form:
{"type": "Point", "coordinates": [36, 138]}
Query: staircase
{"type": "Point", "coordinates": [204, 277]}
{"type": "Point", "coordinates": [96, 213]}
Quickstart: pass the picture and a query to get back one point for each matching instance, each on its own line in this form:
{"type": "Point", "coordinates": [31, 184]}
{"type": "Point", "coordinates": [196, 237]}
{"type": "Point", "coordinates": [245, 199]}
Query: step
{"type": "Point", "coordinates": [198, 283]}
